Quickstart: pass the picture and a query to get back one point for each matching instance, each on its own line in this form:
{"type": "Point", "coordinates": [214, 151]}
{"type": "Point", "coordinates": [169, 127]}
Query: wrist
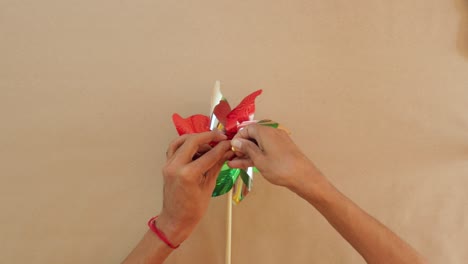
{"type": "Point", "coordinates": [305, 176]}
{"type": "Point", "coordinates": [312, 185]}
{"type": "Point", "coordinates": [174, 232]}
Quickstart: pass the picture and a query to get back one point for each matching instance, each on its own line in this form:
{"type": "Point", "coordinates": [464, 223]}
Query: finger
{"type": "Point", "coordinates": [238, 154]}
{"type": "Point", "coordinates": [240, 163]}
{"type": "Point", "coordinates": [213, 173]}
{"type": "Point", "coordinates": [174, 145]}
{"type": "Point", "coordinates": [230, 155]}
{"type": "Point", "coordinates": [250, 132]}
{"type": "Point", "coordinates": [202, 150]}
{"type": "Point", "coordinates": [194, 141]}
{"type": "Point", "coordinates": [253, 133]}
{"type": "Point", "coordinates": [212, 157]}
{"type": "Point", "coordinates": [248, 148]}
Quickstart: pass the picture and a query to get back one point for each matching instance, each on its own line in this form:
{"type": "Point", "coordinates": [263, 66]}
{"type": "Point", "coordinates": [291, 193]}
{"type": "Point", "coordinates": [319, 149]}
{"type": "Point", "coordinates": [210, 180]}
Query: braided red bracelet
{"type": "Point", "coordinates": [159, 233]}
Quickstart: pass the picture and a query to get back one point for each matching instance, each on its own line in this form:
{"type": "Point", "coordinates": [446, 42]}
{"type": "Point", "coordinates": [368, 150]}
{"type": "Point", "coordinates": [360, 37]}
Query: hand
{"type": "Point", "coordinates": [275, 155]}
{"type": "Point", "coordinates": [189, 179]}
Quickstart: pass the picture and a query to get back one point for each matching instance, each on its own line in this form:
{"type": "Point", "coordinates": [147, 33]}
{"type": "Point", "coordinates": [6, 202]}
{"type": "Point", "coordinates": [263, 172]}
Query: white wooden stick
{"type": "Point", "coordinates": [228, 227]}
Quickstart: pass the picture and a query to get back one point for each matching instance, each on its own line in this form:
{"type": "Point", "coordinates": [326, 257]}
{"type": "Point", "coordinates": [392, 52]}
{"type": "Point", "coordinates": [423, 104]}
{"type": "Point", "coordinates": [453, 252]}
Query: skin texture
{"type": "Point", "coordinates": [281, 162]}
{"type": "Point", "coordinates": [190, 175]}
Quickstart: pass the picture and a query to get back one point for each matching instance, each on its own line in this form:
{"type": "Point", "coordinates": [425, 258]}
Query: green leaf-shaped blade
{"type": "Point", "coordinates": [246, 179]}
{"type": "Point", "coordinates": [267, 122]}
{"type": "Point", "coordinates": [226, 179]}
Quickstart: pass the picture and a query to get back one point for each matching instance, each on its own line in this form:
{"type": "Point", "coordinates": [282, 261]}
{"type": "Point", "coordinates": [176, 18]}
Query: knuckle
{"type": "Point", "coordinates": [185, 174]}
{"type": "Point", "coordinates": [223, 145]}
{"type": "Point", "coordinates": [190, 139]}
{"type": "Point", "coordinates": [167, 171]}
{"type": "Point", "coordinates": [173, 141]}
{"type": "Point", "coordinates": [172, 172]}
{"type": "Point", "coordinates": [282, 132]}
{"type": "Point", "coordinates": [171, 147]}
{"type": "Point", "coordinates": [269, 132]}
{"type": "Point", "coordinates": [254, 127]}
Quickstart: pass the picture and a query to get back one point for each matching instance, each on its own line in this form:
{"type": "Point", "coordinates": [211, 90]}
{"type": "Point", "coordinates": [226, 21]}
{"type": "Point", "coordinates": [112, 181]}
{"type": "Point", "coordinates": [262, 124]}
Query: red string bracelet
{"type": "Point", "coordinates": [159, 233]}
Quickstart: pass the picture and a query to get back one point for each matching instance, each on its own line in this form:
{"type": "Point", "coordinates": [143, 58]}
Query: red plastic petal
{"type": "Point", "coordinates": [201, 123]}
{"type": "Point", "coordinates": [221, 111]}
{"type": "Point", "coordinates": [192, 124]}
{"type": "Point", "coordinates": [242, 112]}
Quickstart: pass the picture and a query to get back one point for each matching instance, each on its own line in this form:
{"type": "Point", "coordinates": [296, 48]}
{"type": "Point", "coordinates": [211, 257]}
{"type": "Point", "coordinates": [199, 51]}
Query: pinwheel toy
{"type": "Point", "coordinates": [236, 182]}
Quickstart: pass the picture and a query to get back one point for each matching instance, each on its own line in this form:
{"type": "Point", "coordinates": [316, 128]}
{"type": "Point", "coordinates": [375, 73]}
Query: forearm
{"type": "Point", "coordinates": [149, 250]}
{"type": "Point", "coordinates": [374, 242]}
{"type": "Point", "coordinates": [152, 249]}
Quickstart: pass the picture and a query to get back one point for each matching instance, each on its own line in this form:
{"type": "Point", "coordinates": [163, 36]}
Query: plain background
{"type": "Point", "coordinates": [374, 92]}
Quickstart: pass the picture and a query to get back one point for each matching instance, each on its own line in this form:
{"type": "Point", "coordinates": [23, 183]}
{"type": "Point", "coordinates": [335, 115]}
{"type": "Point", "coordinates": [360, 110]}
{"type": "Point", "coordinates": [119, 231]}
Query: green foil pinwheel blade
{"type": "Point", "coordinates": [246, 179]}
{"type": "Point", "coordinates": [267, 122]}
{"type": "Point", "coordinates": [243, 185]}
{"type": "Point", "coordinates": [226, 179]}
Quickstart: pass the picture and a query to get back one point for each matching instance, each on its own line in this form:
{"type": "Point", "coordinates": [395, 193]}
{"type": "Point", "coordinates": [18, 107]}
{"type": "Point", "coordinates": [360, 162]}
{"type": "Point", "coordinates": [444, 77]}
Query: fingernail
{"type": "Point", "coordinates": [237, 144]}
{"type": "Point", "coordinates": [221, 133]}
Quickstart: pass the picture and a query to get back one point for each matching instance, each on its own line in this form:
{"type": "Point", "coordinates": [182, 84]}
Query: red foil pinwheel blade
{"type": "Point", "coordinates": [192, 124]}
{"type": "Point", "coordinates": [242, 112]}
{"type": "Point", "coordinates": [221, 111]}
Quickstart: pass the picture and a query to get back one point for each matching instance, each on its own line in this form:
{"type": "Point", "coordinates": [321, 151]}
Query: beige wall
{"type": "Point", "coordinates": [375, 92]}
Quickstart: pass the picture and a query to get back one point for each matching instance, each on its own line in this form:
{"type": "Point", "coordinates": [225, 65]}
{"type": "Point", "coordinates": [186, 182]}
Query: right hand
{"type": "Point", "coordinates": [275, 155]}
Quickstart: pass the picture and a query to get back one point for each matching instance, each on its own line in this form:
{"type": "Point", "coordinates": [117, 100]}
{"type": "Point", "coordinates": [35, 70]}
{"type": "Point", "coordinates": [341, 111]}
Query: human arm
{"type": "Point", "coordinates": [188, 184]}
{"type": "Point", "coordinates": [282, 163]}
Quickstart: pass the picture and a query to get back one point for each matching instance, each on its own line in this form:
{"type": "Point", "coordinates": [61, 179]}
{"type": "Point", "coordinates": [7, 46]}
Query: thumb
{"type": "Point", "coordinates": [247, 147]}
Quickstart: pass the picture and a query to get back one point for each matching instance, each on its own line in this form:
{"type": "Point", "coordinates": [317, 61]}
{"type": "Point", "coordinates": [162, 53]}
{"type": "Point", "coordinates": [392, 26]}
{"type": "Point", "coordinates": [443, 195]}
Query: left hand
{"type": "Point", "coordinates": [189, 180]}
